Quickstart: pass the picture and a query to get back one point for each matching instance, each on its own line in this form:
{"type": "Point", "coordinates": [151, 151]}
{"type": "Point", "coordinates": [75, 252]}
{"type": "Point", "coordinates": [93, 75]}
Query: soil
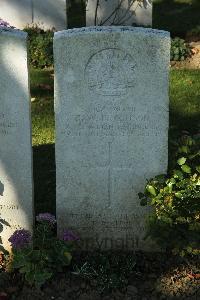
{"type": "Point", "coordinates": [155, 276]}
{"type": "Point", "coordinates": [192, 62]}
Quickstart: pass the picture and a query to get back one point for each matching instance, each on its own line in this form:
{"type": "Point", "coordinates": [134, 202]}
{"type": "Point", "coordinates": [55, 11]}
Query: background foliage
{"type": "Point", "coordinates": [40, 47]}
{"type": "Point", "coordinates": [175, 198]}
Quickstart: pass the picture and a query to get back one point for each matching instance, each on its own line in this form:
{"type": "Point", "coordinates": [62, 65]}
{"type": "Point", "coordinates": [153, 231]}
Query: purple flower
{"type": "Point", "coordinates": [5, 24]}
{"type": "Point", "coordinates": [69, 236]}
{"type": "Point", "coordinates": [20, 239]}
{"type": "Point", "coordinates": [47, 217]}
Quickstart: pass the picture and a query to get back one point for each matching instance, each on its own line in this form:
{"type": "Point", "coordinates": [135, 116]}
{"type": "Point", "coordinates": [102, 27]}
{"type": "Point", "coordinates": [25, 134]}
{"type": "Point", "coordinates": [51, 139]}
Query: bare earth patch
{"type": "Point", "coordinates": [155, 276]}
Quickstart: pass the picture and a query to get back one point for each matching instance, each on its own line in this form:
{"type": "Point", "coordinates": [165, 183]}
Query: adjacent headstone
{"type": "Point", "coordinates": [46, 14]}
{"type": "Point", "coordinates": [15, 138]}
{"type": "Point", "coordinates": [111, 109]}
{"type": "Point", "coordinates": [119, 12]}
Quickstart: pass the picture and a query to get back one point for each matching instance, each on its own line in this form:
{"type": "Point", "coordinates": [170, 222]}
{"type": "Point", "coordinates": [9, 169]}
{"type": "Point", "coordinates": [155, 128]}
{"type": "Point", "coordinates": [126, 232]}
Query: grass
{"type": "Point", "coordinates": [184, 115]}
{"type": "Point", "coordinates": [42, 106]}
{"type": "Point", "coordinates": [184, 100]}
{"type": "Point", "coordinates": [43, 139]}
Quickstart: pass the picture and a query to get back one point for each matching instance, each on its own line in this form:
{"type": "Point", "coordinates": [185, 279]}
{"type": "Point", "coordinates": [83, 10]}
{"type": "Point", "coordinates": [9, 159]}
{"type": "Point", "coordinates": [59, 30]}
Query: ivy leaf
{"type": "Point", "coordinates": [181, 161]}
{"type": "Point", "coordinates": [186, 169]}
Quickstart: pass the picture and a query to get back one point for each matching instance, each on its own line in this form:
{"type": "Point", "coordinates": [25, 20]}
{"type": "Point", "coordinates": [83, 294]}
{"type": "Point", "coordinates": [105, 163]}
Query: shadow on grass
{"type": "Point", "coordinates": [180, 122]}
{"type": "Point", "coordinates": [44, 173]}
{"type": "Point", "coordinates": [42, 83]}
{"type": "Point", "coordinates": [175, 16]}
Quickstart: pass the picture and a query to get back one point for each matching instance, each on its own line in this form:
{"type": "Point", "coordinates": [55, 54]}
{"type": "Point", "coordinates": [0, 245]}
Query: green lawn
{"type": "Point", "coordinates": [43, 139]}
{"type": "Point", "coordinates": [184, 100]}
{"type": "Point", "coordinates": [184, 115]}
{"type": "Point", "coordinates": [42, 106]}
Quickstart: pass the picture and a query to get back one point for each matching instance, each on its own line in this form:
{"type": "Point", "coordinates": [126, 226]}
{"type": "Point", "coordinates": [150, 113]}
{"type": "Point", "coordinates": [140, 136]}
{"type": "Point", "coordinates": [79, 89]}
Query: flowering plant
{"type": "Point", "coordinates": [5, 24]}
{"type": "Point", "coordinates": [40, 255]}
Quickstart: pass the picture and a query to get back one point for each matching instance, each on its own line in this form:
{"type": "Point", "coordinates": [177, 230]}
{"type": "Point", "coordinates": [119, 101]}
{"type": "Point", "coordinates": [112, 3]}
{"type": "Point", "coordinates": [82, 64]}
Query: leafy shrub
{"type": "Point", "coordinates": [40, 47]}
{"type": "Point", "coordinates": [40, 256]}
{"type": "Point", "coordinates": [180, 50]}
{"type": "Point", "coordinates": [175, 198]}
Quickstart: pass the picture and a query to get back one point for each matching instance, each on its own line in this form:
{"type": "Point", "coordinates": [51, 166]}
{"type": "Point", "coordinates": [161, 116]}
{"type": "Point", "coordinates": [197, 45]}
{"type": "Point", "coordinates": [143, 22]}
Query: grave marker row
{"type": "Point", "coordinates": [111, 110]}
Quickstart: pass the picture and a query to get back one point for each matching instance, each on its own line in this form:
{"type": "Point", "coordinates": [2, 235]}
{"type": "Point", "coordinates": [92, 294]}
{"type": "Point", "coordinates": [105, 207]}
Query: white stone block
{"type": "Point", "coordinates": [111, 109]}
{"type": "Point", "coordinates": [16, 203]}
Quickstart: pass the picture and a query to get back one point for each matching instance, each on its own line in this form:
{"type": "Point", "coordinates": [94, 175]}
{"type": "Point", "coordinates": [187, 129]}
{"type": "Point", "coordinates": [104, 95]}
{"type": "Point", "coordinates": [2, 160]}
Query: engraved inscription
{"type": "Point", "coordinates": [119, 222]}
{"type": "Point", "coordinates": [6, 126]}
{"type": "Point", "coordinates": [113, 121]}
{"type": "Point", "coordinates": [110, 72]}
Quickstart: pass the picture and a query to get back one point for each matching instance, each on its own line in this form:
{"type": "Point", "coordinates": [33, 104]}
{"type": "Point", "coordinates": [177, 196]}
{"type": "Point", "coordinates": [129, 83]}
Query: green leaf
{"type": "Point", "coordinates": [184, 149]}
{"type": "Point", "coordinates": [68, 257]}
{"type": "Point", "coordinates": [198, 168]}
{"type": "Point", "coordinates": [151, 190]}
{"type": "Point", "coordinates": [178, 195]}
{"type": "Point", "coordinates": [170, 186]}
{"type": "Point", "coordinates": [178, 174]}
{"type": "Point", "coordinates": [181, 161]}
{"type": "Point", "coordinates": [173, 181]}
{"type": "Point", "coordinates": [186, 169]}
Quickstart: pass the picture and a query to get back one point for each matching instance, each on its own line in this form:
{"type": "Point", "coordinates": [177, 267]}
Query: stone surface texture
{"type": "Point", "coordinates": [119, 12]}
{"type": "Point", "coordinates": [15, 136]}
{"type": "Point", "coordinates": [111, 109]}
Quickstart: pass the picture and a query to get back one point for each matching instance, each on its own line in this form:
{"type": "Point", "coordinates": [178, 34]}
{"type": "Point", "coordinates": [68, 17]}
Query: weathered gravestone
{"type": "Point", "coordinates": [119, 12]}
{"type": "Point", "coordinates": [15, 138]}
{"type": "Point", "coordinates": [111, 106]}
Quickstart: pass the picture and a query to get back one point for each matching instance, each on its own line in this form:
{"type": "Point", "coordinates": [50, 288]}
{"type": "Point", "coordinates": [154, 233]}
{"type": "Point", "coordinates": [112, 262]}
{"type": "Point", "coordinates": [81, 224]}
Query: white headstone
{"type": "Point", "coordinates": [15, 138]}
{"type": "Point", "coordinates": [111, 109]}
{"type": "Point", "coordinates": [119, 12]}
